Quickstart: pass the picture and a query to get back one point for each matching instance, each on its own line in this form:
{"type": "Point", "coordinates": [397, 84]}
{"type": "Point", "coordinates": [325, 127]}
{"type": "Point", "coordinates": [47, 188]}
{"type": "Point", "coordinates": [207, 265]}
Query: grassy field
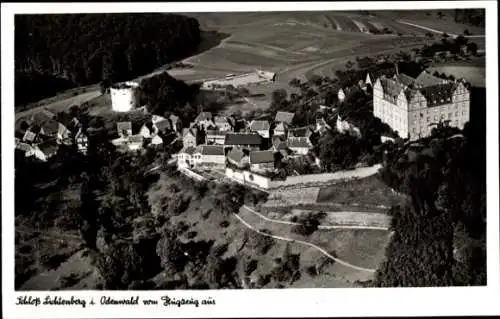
{"type": "Point", "coordinates": [364, 248]}
{"type": "Point", "coordinates": [369, 191]}
{"type": "Point", "coordinates": [474, 72]}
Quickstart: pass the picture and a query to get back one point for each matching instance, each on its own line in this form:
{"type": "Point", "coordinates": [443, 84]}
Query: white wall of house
{"type": "Point", "coordinates": [300, 150]}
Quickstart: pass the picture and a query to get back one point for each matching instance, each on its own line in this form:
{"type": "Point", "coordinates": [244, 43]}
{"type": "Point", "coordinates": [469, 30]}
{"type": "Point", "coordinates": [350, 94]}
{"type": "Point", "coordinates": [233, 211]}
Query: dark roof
{"type": "Point", "coordinates": [259, 157]}
{"type": "Point", "coordinates": [285, 117]}
{"type": "Point", "coordinates": [249, 138]}
{"type": "Point", "coordinates": [305, 131]}
{"type": "Point", "coordinates": [296, 142]}
{"type": "Point", "coordinates": [278, 143]}
{"type": "Point", "coordinates": [124, 126]}
{"type": "Point", "coordinates": [48, 147]}
{"type": "Point", "coordinates": [136, 138]}
{"type": "Point", "coordinates": [50, 127]}
{"type": "Point", "coordinates": [188, 150]}
{"type": "Point", "coordinates": [426, 79]}
{"type": "Point", "coordinates": [163, 125]}
{"type": "Point", "coordinates": [211, 149]}
{"type": "Point", "coordinates": [215, 132]}
{"type": "Point", "coordinates": [438, 94]}
{"type": "Point", "coordinates": [258, 125]}
{"type": "Point", "coordinates": [236, 154]}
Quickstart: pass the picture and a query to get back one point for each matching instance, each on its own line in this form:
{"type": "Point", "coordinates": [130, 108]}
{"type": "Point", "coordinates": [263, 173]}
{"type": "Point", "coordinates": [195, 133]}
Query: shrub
{"type": "Point", "coordinates": [260, 243]}
{"type": "Point", "coordinates": [312, 271]}
{"type": "Point", "coordinates": [224, 224]}
{"type": "Point", "coordinates": [206, 214]}
{"type": "Point", "coordinates": [251, 267]}
{"type": "Point", "coordinates": [307, 226]}
{"type": "Point", "coordinates": [191, 234]}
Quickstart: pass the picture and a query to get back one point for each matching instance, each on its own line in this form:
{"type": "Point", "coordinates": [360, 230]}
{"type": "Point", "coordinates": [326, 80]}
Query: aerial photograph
{"type": "Point", "coordinates": [247, 150]}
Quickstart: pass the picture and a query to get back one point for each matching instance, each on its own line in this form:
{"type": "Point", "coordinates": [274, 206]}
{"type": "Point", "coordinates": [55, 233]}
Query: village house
{"type": "Point", "coordinates": [176, 123]}
{"type": "Point", "coordinates": [343, 126]}
{"type": "Point", "coordinates": [30, 136]}
{"type": "Point", "coordinates": [261, 127]}
{"type": "Point", "coordinates": [209, 155]}
{"type": "Point", "coordinates": [299, 145]}
{"type": "Point", "coordinates": [322, 126]}
{"type": "Point", "coordinates": [223, 123]}
{"type": "Point", "coordinates": [284, 117]}
{"type": "Point", "coordinates": [215, 137]}
{"type": "Point", "coordinates": [82, 141]}
{"type": "Point", "coordinates": [305, 131]}
{"type": "Point", "coordinates": [190, 137]}
{"type": "Point", "coordinates": [185, 157]}
{"type": "Point", "coordinates": [135, 142]}
{"type": "Point", "coordinates": [124, 129]}
{"type": "Point", "coordinates": [204, 120]}
{"type": "Point", "coordinates": [279, 145]}
{"type": "Point", "coordinates": [44, 151]}
{"type": "Point", "coordinates": [147, 130]}
{"type": "Point", "coordinates": [156, 140]}
{"type": "Point", "coordinates": [250, 140]}
{"type": "Point", "coordinates": [238, 157]}
{"type": "Point", "coordinates": [25, 148]}
{"type": "Point", "coordinates": [261, 161]}
{"type": "Point", "coordinates": [281, 129]}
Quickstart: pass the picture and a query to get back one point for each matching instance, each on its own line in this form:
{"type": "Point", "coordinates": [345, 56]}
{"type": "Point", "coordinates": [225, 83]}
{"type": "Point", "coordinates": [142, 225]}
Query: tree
{"type": "Point", "coordinates": [228, 199]}
{"type": "Point", "coordinates": [472, 48]}
{"type": "Point", "coordinates": [170, 251]}
{"type": "Point", "coordinates": [279, 96]}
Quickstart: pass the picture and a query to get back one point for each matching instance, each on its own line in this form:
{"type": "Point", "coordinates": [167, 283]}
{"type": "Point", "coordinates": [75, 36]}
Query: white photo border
{"type": "Point", "coordinates": [263, 302]}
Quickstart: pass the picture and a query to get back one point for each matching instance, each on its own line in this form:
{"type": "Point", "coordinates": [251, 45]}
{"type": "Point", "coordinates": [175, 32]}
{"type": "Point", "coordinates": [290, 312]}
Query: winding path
{"type": "Point", "coordinates": [437, 31]}
{"type": "Point", "coordinates": [324, 252]}
{"type": "Point", "coordinates": [277, 221]}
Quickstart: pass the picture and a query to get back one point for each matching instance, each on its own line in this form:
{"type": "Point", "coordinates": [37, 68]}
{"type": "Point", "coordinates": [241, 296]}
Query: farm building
{"type": "Point", "coordinates": [124, 96]}
{"type": "Point", "coordinates": [215, 137]}
{"type": "Point", "coordinates": [241, 80]}
{"type": "Point", "coordinates": [238, 157]}
{"type": "Point", "coordinates": [284, 117]}
{"type": "Point", "coordinates": [190, 137]}
{"type": "Point", "coordinates": [209, 155]}
{"type": "Point", "coordinates": [261, 127]}
{"type": "Point", "coordinates": [299, 145]}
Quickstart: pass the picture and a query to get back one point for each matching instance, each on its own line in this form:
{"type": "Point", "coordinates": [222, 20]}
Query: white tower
{"type": "Point", "coordinates": [124, 96]}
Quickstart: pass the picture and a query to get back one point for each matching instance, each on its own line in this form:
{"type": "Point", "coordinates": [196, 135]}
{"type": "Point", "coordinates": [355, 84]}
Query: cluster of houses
{"type": "Point", "coordinates": [41, 135]}
{"type": "Point", "coordinates": [258, 145]}
{"type": "Point", "coordinates": [152, 133]}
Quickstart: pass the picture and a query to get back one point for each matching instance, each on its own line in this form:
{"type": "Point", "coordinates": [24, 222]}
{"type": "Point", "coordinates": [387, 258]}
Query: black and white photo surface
{"type": "Point", "coordinates": [250, 150]}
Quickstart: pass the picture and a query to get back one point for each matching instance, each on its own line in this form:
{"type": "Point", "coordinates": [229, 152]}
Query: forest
{"type": "Point", "coordinates": [81, 49]}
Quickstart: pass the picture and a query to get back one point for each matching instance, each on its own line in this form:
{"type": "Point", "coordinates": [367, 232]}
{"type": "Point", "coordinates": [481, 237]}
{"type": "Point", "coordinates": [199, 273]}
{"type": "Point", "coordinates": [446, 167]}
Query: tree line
{"type": "Point", "coordinates": [88, 48]}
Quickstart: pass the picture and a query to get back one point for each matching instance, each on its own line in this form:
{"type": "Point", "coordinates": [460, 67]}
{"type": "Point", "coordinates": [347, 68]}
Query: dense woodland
{"type": "Point", "coordinates": [80, 49]}
{"type": "Point", "coordinates": [440, 235]}
{"type": "Point", "coordinates": [475, 17]}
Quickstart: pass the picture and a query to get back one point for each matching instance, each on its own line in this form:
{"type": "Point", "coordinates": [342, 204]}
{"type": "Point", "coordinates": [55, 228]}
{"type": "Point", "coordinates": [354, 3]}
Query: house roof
{"type": "Point", "coordinates": [136, 138]}
{"type": "Point", "coordinates": [124, 126]}
{"type": "Point", "coordinates": [157, 118]}
{"type": "Point", "coordinates": [285, 117]}
{"type": "Point", "coordinates": [211, 150]}
{"type": "Point", "coordinates": [29, 136]}
{"type": "Point", "coordinates": [188, 150]}
{"type": "Point", "coordinates": [23, 146]}
{"type": "Point", "coordinates": [278, 143]}
{"type": "Point", "coordinates": [174, 118]}
{"type": "Point", "coordinates": [258, 125]}
{"type": "Point", "coordinates": [260, 157]}
{"type": "Point", "coordinates": [163, 125]}
{"type": "Point", "coordinates": [192, 130]}
{"type": "Point", "coordinates": [305, 131]}
{"type": "Point", "coordinates": [299, 142]}
{"type": "Point", "coordinates": [221, 120]}
{"type": "Point", "coordinates": [48, 147]}
{"type": "Point", "coordinates": [426, 79]}
{"type": "Point", "coordinates": [280, 127]}
{"type": "Point", "coordinates": [236, 154]}
{"type": "Point", "coordinates": [215, 133]}
{"type": "Point", "coordinates": [51, 127]}
{"type": "Point", "coordinates": [249, 138]}
{"type": "Point", "coordinates": [204, 116]}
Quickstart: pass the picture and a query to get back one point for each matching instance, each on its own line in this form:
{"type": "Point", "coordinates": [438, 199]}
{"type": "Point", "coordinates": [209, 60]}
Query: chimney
{"type": "Point", "coordinates": [396, 67]}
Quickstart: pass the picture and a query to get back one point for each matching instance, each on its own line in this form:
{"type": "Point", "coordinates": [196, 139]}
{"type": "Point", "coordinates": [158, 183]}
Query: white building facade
{"type": "Point", "coordinates": [124, 96]}
{"type": "Point", "coordinates": [412, 108]}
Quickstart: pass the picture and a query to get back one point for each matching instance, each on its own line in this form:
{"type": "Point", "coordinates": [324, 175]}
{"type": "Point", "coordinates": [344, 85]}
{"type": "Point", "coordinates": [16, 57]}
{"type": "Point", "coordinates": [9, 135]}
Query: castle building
{"type": "Point", "coordinates": [412, 106]}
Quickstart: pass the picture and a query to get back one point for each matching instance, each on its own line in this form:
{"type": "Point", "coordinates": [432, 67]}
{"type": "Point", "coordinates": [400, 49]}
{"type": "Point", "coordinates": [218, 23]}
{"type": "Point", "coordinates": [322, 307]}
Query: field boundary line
{"type": "Point", "coordinates": [324, 252]}
{"type": "Point", "coordinates": [277, 221]}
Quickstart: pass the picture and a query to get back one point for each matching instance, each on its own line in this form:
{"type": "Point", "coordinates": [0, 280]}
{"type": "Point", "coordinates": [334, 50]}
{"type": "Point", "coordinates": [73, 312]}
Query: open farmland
{"type": "Point", "coordinates": [474, 72]}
